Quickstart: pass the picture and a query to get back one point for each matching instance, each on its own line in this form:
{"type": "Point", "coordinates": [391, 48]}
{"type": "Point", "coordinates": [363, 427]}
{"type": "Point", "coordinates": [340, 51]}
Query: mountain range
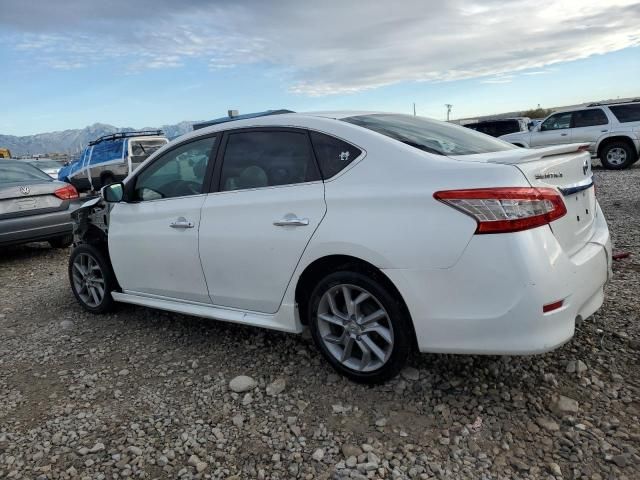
{"type": "Point", "coordinates": [73, 141]}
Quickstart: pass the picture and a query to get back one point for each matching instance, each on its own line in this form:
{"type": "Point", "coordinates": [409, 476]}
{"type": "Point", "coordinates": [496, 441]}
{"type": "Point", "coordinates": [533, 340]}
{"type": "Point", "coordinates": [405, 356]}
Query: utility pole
{"type": "Point", "coordinates": [414, 109]}
{"type": "Point", "coordinates": [449, 107]}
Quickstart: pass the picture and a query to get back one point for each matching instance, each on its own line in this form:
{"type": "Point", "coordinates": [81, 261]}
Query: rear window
{"type": "Point", "coordinates": [46, 164]}
{"type": "Point", "coordinates": [627, 113]}
{"type": "Point", "coordinates": [430, 136]}
{"type": "Point", "coordinates": [16, 173]}
{"type": "Point", "coordinates": [142, 149]}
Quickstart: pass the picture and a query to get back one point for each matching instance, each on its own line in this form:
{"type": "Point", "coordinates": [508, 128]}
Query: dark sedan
{"type": "Point", "coordinates": [34, 207]}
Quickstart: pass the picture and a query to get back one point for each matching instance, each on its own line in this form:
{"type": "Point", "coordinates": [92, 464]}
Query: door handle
{"type": "Point", "coordinates": [181, 223]}
{"type": "Point", "coordinates": [290, 220]}
{"type": "Point", "coordinates": [563, 134]}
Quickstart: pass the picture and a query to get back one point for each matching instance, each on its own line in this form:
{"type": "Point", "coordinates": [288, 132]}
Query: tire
{"type": "Point", "coordinates": [88, 258]}
{"type": "Point", "coordinates": [333, 337]}
{"type": "Point", "coordinates": [617, 156]}
{"type": "Point", "coordinates": [61, 242]}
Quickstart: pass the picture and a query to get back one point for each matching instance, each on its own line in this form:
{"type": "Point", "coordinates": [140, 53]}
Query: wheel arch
{"type": "Point", "coordinates": [322, 266]}
{"type": "Point", "coordinates": [616, 138]}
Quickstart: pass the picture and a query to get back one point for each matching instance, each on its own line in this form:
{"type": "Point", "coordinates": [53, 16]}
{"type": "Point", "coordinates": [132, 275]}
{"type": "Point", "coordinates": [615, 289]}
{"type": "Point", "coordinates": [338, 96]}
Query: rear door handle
{"type": "Point", "coordinates": [563, 134]}
{"type": "Point", "coordinates": [290, 220]}
{"type": "Point", "coordinates": [181, 223]}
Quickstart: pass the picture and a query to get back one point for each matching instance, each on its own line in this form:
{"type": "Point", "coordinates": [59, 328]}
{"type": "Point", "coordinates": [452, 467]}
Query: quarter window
{"type": "Point", "coordinates": [589, 118]}
{"type": "Point", "coordinates": [178, 173]}
{"type": "Point", "coordinates": [333, 155]}
{"type": "Point", "coordinates": [557, 122]}
{"type": "Point", "coordinates": [258, 159]}
{"type": "Point", "coordinates": [627, 113]}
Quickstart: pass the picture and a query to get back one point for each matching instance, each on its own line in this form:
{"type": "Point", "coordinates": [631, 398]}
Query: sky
{"type": "Point", "coordinates": [71, 63]}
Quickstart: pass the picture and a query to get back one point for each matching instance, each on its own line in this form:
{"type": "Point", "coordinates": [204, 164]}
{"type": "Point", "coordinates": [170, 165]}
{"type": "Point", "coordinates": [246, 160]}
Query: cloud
{"type": "Point", "coordinates": [499, 79]}
{"type": "Point", "coordinates": [324, 47]}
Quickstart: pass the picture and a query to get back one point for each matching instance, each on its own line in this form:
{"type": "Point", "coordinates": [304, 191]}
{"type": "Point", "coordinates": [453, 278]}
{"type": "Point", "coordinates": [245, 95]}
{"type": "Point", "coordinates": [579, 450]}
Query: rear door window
{"type": "Point", "coordinates": [589, 118]}
{"type": "Point", "coordinates": [333, 154]}
{"type": "Point", "coordinates": [627, 113]}
{"type": "Point", "coordinates": [259, 158]}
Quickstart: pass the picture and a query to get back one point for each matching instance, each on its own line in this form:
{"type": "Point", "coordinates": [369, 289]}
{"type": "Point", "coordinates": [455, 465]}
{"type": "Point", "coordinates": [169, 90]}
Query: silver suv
{"type": "Point", "coordinates": [612, 131]}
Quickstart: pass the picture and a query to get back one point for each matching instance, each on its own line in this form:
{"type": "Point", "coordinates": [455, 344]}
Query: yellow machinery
{"type": "Point", "coordinates": [5, 153]}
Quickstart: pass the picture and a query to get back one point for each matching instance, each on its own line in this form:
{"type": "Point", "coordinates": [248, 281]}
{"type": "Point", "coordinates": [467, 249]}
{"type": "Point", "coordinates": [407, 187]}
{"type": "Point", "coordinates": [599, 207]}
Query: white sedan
{"type": "Point", "coordinates": [379, 232]}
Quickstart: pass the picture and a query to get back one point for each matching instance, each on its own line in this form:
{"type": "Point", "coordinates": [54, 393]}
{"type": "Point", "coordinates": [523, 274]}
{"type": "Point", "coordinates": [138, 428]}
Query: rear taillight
{"type": "Point", "coordinates": [501, 210]}
{"type": "Point", "coordinates": [68, 192]}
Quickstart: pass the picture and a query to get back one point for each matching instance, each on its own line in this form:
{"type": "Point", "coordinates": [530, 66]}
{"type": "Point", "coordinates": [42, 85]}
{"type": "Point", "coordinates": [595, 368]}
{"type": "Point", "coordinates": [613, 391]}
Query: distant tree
{"type": "Point", "coordinates": [537, 112]}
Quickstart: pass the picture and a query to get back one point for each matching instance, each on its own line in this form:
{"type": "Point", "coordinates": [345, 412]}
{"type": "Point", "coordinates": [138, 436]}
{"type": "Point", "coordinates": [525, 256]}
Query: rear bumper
{"type": "Point", "coordinates": [491, 301]}
{"type": "Point", "coordinates": [34, 228]}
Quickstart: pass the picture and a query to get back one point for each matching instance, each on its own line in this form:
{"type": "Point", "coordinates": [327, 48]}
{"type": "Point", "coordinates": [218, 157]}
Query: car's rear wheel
{"type": "Point", "coordinates": [92, 279]}
{"type": "Point", "coordinates": [617, 155]}
{"type": "Point", "coordinates": [61, 242]}
{"type": "Point", "coordinates": [360, 326]}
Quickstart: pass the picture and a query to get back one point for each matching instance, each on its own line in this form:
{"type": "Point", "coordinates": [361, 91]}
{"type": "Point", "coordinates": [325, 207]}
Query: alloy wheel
{"type": "Point", "coordinates": [355, 328]}
{"type": "Point", "coordinates": [617, 156]}
{"type": "Point", "coordinates": [88, 280]}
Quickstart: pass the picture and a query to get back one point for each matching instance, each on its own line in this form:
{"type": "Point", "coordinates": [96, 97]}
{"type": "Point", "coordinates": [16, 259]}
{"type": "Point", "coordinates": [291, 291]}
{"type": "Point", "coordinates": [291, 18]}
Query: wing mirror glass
{"type": "Point", "coordinates": [113, 193]}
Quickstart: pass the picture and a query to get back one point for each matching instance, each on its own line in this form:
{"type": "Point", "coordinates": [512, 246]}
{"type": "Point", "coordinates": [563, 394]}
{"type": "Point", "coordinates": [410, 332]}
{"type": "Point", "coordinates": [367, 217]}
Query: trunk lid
{"type": "Point", "coordinates": [566, 169]}
{"type": "Point", "coordinates": [24, 199]}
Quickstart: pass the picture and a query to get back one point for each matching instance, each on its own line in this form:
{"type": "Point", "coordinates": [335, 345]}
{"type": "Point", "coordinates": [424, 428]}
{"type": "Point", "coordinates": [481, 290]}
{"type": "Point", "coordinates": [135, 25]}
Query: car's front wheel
{"type": "Point", "coordinates": [92, 279]}
{"type": "Point", "coordinates": [360, 326]}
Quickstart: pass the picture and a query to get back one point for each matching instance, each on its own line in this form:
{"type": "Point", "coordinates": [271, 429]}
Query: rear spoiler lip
{"type": "Point", "coordinates": [526, 155]}
{"type": "Point", "coordinates": [551, 151]}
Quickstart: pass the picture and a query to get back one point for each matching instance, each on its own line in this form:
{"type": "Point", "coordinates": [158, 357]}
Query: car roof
{"type": "Point", "coordinates": [279, 120]}
{"type": "Point", "coordinates": [340, 114]}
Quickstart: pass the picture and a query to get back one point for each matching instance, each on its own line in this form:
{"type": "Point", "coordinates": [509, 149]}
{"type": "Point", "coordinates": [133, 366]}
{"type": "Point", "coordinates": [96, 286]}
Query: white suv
{"type": "Point", "coordinates": [611, 130]}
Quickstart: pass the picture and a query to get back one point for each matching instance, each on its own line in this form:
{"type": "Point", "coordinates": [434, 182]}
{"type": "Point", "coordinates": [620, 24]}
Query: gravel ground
{"type": "Point", "coordinates": [147, 394]}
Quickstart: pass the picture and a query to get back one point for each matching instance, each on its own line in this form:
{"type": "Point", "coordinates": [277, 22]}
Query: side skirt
{"type": "Point", "coordinates": [207, 311]}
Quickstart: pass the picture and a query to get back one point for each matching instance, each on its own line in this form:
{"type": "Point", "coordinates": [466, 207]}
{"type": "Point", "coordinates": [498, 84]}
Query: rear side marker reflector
{"type": "Point", "coordinates": [550, 307]}
{"type": "Point", "coordinates": [504, 210]}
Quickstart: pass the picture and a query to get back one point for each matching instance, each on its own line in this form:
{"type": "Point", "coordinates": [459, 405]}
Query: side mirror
{"type": "Point", "coordinates": [112, 193]}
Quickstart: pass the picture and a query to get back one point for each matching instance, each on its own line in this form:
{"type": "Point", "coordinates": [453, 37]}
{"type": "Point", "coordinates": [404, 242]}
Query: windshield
{"type": "Point", "coordinates": [11, 172]}
{"type": "Point", "coordinates": [429, 135]}
{"type": "Point", "coordinates": [141, 149]}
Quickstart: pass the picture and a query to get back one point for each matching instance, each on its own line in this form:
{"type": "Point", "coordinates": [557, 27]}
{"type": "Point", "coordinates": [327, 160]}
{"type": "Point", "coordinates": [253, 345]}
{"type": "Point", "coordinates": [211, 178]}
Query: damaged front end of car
{"type": "Point", "coordinates": [91, 224]}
